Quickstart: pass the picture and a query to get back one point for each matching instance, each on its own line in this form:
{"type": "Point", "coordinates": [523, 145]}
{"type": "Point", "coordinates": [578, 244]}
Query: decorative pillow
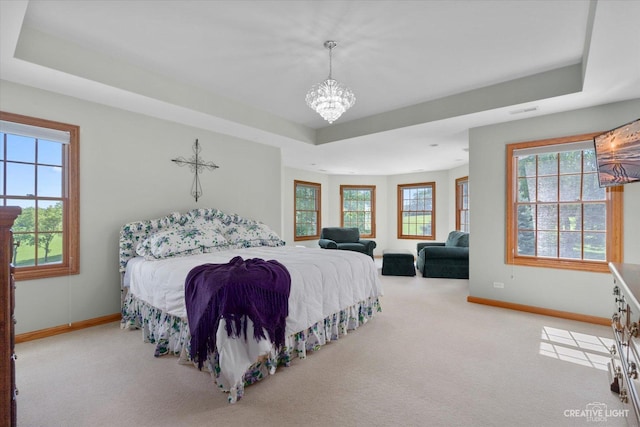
{"type": "Point", "coordinates": [251, 235]}
{"type": "Point", "coordinates": [208, 223]}
{"type": "Point", "coordinates": [179, 242]}
{"type": "Point", "coordinates": [211, 237]}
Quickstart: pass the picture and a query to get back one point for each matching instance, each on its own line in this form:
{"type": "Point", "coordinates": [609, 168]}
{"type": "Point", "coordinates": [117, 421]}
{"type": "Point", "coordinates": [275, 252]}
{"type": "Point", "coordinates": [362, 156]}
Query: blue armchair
{"type": "Point", "coordinates": [345, 239]}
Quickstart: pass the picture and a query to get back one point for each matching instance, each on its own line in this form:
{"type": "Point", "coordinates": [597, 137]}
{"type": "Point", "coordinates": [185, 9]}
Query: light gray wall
{"type": "Point", "coordinates": [573, 291]}
{"type": "Point", "coordinates": [126, 174]}
{"type": "Point", "coordinates": [386, 203]}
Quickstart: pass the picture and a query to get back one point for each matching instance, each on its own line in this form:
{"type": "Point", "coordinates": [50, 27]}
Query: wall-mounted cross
{"type": "Point", "coordinates": [197, 165]}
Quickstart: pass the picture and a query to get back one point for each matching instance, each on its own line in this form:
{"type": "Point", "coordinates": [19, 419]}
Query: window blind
{"type": "Point", "coordinates": [559, 148]}
{"type": "Point", "coordinates": [35, 132]}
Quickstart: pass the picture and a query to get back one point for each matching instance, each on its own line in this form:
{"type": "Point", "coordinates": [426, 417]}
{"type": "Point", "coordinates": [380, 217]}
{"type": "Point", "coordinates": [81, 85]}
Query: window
{"type": "Point", "coordinates": [462, 204]}
{"type": "Point", "coordinates": [39, 166]}
{"type": "Point", "coordinates": [417, 211]}
{"type": "Point", "coordinates": [307, 210]}
{"type": "Point", "coordinates": [359, 208]}
{"type": "Point", "coordinates": [557, 214]}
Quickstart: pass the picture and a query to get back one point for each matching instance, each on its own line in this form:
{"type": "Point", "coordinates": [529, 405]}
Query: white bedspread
{"type": "Point", "coordinates": [323, 281]}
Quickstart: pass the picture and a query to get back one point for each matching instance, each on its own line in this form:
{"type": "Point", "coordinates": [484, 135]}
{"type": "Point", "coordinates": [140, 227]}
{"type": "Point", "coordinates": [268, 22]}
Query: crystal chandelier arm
{"type": "Point", "coordinates": [330, 99]}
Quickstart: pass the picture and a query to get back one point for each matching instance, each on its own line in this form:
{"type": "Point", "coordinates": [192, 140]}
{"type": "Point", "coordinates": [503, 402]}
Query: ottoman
{"type": "Point", "coordinates": [398, 262]}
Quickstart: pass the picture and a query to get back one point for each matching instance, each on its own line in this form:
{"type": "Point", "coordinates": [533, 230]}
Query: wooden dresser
{"type": "Point", "coordinates": [8, 389]}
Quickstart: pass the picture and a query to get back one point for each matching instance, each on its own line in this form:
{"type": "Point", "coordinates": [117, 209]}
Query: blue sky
{"type": "Point", "coordinates": [20, 176]}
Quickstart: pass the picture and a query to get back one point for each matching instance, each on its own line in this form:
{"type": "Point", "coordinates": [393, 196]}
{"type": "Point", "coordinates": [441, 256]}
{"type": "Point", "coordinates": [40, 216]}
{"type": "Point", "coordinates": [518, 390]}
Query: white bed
{"type": "Point", "coordinates": [331, 291]}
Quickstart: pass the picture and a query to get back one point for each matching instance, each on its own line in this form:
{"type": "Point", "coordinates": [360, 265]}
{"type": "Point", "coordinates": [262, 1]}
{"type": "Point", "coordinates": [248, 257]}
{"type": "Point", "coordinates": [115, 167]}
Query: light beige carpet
{"type": "Point", "coordinates": [429, 359]}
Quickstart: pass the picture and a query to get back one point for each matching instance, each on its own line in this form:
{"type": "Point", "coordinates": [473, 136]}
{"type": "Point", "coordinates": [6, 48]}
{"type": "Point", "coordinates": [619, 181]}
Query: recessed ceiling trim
{"type": "Point", "coordinates": [549, 84]}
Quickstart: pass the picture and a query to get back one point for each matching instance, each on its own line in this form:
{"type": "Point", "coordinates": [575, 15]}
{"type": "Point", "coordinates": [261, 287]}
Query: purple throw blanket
{"type": "Point", "coordinates": [241, 289]}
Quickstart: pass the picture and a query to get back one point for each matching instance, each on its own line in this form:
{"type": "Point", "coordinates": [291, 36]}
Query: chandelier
{"type": "Point", "coordinates": [330, 99]}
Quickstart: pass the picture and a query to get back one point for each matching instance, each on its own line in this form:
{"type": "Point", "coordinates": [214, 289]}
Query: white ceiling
{"type": "Point", "coordinates": [423, 72]}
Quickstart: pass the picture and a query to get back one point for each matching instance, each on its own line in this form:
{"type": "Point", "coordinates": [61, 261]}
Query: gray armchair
{"type": "Point", "coordinates": [345, 239]}
{"type": "Point", "coordinates": [449, 259]}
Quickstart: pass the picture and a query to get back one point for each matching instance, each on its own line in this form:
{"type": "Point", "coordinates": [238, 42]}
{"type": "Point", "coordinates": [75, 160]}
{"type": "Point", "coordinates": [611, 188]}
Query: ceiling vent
{"type": "Point", "coordinates": [524, 110]}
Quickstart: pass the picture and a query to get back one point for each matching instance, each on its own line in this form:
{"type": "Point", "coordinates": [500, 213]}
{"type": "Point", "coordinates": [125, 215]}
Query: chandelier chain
{"type": "Point", "coordinates": [330, 60]}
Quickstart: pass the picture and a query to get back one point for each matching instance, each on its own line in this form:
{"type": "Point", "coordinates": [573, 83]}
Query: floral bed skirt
{"type": "Point", "coordinates": [171, 335]}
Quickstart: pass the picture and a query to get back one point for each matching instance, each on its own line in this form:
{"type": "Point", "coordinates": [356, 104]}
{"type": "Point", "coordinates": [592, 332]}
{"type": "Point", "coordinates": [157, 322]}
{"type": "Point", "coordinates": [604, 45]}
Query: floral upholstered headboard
{"type": "Point", "coordinates": [197, 231]}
